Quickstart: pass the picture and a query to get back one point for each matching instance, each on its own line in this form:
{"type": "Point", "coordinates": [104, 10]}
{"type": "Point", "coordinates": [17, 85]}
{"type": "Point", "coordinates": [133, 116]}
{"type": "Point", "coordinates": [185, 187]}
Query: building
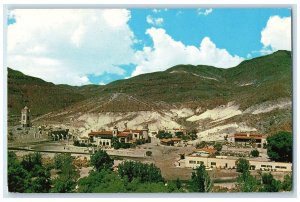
{"type": "Point", "coordinates": [101, 138]}
{"type": "Point", "coordinates": [258, 139]}
{"type": "Point", "coordinates": [205, 151]}
{"type": "Point", "coordinates": [223, 162]}
{"type": "Point", "coordinates": [135, 134]}
{"type": "Point", "coordinates": [84, 140]}
{"type": "Point", "coordinates": [104, 138]}
{"type": "Point", "coordinates": [25, 117]}
{"type": "Point", "coordinates": [170, 141]}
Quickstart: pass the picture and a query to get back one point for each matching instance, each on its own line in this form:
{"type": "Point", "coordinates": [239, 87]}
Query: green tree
{"type": "Point", "coordinates": [101, 160]}
{"type": "Point", "coordinates": [31, 160]}
{"type": "Point", "coordinates": [66, 181]}
{"type": "Point", "coordinates": [62, 184]}
{"type": "Point", "coordinates": [200, 181]}
{"type": "Point", "coordinates": [280, 147]}
{"type": "Point", "coordinates": [287, 183]}
{"type": "Point", "coordinates": [18, 178]}
{"type": "Point", "coordinates": [144, 172]}
{"type": "Point", "coordinates": [247, 182]}
{"type": "Point", "coordinates": [136, 186]}
{"type": "Point", "coordinates": [254, 153]}
{"type": "Point", "coordinates": [115, 143]}
{"type": "Point", "coordinates": [103, 181]}
{"type": "Point", "coordinates": [242, 165]}
{"type": "Point", "coordinates": [29, 175]}
{"type": "Point", "coordinates": [41, 181]}
{"type": "Point", "coordinates": [178, 183]}
{"type": "Point", "coordinates": [269, 184]}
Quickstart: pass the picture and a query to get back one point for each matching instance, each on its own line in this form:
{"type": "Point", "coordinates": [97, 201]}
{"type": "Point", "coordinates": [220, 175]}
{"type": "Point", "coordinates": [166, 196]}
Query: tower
{"type": "Point", "coordinates": [25, 121]}
{"type": "Point", "coordinates": [115, 131]}
{"type": "Point", "coordinates": [145, 132]}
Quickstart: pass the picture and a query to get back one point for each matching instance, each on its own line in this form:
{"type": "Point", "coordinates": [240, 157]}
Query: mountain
{"type": "Point", "coordinates": [40, 96]}
{"type": "Point", "coordinates": [255, 95]}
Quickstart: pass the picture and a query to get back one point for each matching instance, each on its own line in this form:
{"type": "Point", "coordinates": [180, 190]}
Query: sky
{"type": "Point", "coordinates": [84, 46]}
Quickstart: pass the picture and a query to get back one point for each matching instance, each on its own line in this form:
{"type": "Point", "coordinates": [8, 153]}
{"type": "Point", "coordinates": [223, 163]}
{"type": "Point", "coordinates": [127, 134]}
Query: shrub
{"type": "Point", "coordinates": [254, 153]}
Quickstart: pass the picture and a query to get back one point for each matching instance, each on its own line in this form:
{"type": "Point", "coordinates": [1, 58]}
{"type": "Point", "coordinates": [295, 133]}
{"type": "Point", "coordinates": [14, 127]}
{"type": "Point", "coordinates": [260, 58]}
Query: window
{"type": "Point", "coordinates": [282, 167]}
{"type": "Point", "coordinates": [24, 118]}
{"type": "Point", "coordinates": [192, 162]}
{"type": "Point", "coordinates": [213, 163]}
{"type": "Point", "coordinates": [107, 143]}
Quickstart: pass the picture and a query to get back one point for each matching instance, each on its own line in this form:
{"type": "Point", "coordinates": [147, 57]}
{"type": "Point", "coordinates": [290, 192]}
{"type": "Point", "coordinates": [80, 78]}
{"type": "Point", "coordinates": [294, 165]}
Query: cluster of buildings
{"type": "Point", "coordinates": [208, 156]}
{"type": "Point", "coordinates": [194, 160]}
{"type": "Point", "coordinates": [104, 138]}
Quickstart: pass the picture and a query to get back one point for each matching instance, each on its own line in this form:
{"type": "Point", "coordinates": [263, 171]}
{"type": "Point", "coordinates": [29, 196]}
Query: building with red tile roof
{"type": "Point", "coordinates": [104, 138]}
{"type": "Point", "coordinates": [258, 139]}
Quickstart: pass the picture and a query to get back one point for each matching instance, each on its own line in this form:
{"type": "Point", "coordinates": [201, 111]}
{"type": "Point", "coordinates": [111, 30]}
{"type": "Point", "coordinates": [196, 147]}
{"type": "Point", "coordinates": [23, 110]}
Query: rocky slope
{"type": "Point", "coordinates": [253, 96]}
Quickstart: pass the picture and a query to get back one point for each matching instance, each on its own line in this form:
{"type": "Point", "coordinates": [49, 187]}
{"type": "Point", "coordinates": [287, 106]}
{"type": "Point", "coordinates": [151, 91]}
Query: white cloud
{"type": "Point", "coordinates": [154, 21]}
{"type": "Point", "coordinates": [166, 52]}
{"type": "Point", "coordinates": [65, 45]}
{"type": "Point", "coordinates": [205, 12]}
{"type": "Point", "coordinates": [276, 35]}
{"type": "Point", "coordinates": [156, 10]}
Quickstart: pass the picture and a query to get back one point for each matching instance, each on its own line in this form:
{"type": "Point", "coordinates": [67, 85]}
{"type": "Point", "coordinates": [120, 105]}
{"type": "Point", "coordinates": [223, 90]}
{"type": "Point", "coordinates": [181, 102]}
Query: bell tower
{"type": "Point", "coordinates": [115, 131]}
{"type": "Point", "coordinates": [25, 120]}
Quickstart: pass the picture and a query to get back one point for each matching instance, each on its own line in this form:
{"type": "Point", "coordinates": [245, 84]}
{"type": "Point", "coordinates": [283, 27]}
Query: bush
{"type": "Point", "coordinates": [148, 153]}
{"type": "Point", "coordinates": [269, 183]}
{"type": "Point", "coordinates": [201, 144]}
{"type": "Point", "coordinates": [76, 143]}
{"type": "Point", "coordinates": [254, 153]}
{"type": "Point", "coordinates": [163, 135]}
{"type": "Point", "coordinates": [218, 147]}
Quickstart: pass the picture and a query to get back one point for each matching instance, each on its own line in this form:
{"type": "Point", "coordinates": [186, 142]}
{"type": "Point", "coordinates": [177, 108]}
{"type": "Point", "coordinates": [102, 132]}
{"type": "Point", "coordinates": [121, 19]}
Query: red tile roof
{"type": "Point", "coordinates": [100, 133]}
{"type": "Point", "coordinates": [206, 149]}
{"type": "Point", "coordinates": [250, 137]}
{"type": "Point", "coordinates": [123, 135]}
{"type": "Point", "coordinates": [134, 131]}
{"type": "Point", "coordinates": [244, 136]}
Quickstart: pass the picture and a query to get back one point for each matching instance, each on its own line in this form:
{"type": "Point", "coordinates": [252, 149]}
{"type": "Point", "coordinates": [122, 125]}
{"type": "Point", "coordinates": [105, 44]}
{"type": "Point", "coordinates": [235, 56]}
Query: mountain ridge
{"type": "Point", "coordinates": [173, 95]}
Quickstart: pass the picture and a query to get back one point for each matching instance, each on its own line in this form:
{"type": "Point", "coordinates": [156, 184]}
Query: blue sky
{"type": "Point", "coordinates": [95, 46]}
